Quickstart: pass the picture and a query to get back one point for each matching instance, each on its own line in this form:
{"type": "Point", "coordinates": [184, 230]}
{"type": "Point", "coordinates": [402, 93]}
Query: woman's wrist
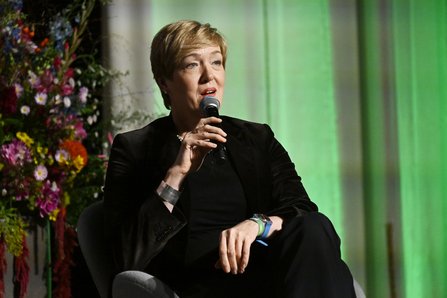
{"type": "Point", "coordinates": [174, 177]}
{"type": "Point", "coordinates": [276, 224]}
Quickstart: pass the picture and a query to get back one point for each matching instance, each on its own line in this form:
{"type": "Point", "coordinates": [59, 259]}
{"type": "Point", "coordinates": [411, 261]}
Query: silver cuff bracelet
{"type": "Point", "coordinates": [167, 193]}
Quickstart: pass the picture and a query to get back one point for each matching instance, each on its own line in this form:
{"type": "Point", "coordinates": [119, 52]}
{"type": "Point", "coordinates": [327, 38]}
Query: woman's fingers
{"type": "Point", "coordinates": [223, 256]}
{"type": "Point", "coordinates": [234, 247]}
{"type": "Point", "coordinates": [243, 261]}
{"type": "Point", "coordinates": [198, 142]}
{"type": "Point", "coordinates": [232, 252]}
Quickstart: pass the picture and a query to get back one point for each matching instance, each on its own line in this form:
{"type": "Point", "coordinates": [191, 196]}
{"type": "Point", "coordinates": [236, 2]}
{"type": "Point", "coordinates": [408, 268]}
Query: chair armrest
{"type": "Point", "coordinates": [358, 290]}
{"type": "Point", "coordinates": [138, 284]}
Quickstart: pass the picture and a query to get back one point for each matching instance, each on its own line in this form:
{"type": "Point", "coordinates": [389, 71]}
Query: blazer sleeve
{"type": "Point", "coordinates": [137, 223]}
{"type": "Point", "coordinates": [288, 193]}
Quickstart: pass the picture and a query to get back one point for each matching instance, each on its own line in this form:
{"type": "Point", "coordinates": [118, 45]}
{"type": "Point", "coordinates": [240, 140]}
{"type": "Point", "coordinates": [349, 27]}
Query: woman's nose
{"type": "Point", "coordinates": [207, 74]}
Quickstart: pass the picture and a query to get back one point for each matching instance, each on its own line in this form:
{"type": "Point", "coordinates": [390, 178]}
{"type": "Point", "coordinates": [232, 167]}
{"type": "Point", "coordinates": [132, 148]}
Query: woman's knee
{"type": "Point", "coordinates": [314, 227]}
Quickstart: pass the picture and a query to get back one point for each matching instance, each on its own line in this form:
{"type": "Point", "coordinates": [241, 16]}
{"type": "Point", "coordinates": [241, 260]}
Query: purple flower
{"type": "Point", "coordinates": [33, 79]}
{"type": "Point", "coordinates": [15, 153]}
{"type": "Point", "coordinates": [49, 198]}
{"type": "Point", "coordinates": [18, 89]}
{"type": "Point", "coordinates": [83, 92]}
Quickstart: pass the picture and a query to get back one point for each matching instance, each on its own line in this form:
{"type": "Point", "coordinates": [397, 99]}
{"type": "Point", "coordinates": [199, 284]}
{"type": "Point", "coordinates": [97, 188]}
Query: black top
{"type": "Point", "coordinates": [213, 200]}
{"type": "Point", "coordinates": [217, 202]}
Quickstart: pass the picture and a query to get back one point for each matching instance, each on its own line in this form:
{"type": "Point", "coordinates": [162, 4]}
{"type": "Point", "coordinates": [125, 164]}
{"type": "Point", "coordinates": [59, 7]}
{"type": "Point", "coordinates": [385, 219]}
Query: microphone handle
{"type": "Point", "coordinates": [220, 150]}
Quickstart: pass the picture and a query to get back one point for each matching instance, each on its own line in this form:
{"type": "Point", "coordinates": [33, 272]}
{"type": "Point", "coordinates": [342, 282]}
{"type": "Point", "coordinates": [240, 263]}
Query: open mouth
{"type": "Point", "coordinates": [209, 92]}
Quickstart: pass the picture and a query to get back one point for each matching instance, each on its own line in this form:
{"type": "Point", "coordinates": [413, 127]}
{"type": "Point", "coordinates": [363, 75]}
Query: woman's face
{"type": "Point", "coordinates": [201, 73]}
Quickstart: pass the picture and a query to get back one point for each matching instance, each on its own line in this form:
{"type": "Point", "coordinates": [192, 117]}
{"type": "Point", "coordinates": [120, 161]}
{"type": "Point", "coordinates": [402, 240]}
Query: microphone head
{"type": "Point", "coordinates": [209, 102]}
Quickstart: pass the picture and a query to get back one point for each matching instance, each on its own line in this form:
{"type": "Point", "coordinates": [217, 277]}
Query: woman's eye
{"type": "Point", "coordinates": [217, 62]}
{"type": "Point", "coordinates": [191, 65]}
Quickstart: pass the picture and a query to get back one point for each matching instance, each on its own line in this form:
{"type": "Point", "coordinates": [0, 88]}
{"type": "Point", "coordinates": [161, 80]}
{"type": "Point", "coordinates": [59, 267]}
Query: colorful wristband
{"type": "Point", "coordinates": [265, 224]}
{"type": "Point", "coordinates": [267, 227]}
{"type": "Point", "coordinates": [260, 225]}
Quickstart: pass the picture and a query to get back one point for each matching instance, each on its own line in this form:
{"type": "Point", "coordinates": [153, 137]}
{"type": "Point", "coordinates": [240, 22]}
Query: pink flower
{"type": "Point", "coordinates": [57, 62]}
{"type": "Point", "coordinates": [67, 89]}
{"type": "Point", "coordinates": [69, 73]}
{"type": "Point", "coordinates": [15, 153]}
{"type": "Point", "coordinates": [79, 132]}
{"type": "Point", "coordinates": [47, 78]}
{"type": "Point", "coordinates": [49, 198]}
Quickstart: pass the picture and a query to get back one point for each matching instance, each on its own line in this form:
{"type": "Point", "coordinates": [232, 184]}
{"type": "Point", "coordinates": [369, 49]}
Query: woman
{"type": "Point", "coordinates": [244, 227]}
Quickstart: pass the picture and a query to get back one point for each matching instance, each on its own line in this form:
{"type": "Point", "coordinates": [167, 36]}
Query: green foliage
{"type": "Point", "coordinates": [12, 229]}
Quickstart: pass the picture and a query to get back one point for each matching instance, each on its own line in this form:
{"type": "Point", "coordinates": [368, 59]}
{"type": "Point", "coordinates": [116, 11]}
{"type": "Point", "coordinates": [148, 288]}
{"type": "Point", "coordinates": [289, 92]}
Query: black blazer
{"type": "Point", "coordinates": [138, 225]}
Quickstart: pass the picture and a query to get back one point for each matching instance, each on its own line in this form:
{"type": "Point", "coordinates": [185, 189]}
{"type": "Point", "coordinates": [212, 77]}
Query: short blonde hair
{"type": "Point", "coordinates": [174, 41]}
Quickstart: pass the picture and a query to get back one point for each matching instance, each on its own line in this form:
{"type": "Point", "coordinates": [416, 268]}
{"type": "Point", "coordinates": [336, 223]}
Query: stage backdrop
{"type": "Point", "coordinates": [355, 91]}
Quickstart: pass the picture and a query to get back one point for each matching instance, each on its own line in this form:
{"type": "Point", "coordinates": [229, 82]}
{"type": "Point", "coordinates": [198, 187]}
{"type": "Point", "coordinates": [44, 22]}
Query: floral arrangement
{"type": "Point", "coordinates": [50, 142]}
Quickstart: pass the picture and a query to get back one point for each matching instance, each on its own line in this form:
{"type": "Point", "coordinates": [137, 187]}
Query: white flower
{"type": "Point", "coordinates": [41, 98]}
{"type": "Point", "coordinates": [83, 92]}
{"type": "Point", "coordinates": [71, 82]}
{"type": "Point", "coordinates": [40, 173]}
{"type": "Point", "coordinates": [61, 156]}
{"type": "Point", "coordinates": [33, 79]}
{"type": "Point", "coordinates": [25, 110]}
{"type": "Point", "coordinates": [57, 99]}
{"type": "Point", "coordinates": [4, 192]}
{"type": "Point", "coordinates": [90, 120]}
{"type": "Point", "coordinates": [18, 89]}
{"type": "Point", "coordinates": [54, 187]}
{"type": "Point", "coordinates": [67, 102]}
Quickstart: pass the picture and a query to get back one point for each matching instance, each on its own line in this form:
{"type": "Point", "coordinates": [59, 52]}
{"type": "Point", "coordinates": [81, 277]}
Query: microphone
{"type": "Point", "coordinates": [210, 108]}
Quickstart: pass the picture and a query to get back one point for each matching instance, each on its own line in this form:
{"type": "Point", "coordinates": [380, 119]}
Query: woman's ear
{"type": "Point", "coordinates": [163, 86]}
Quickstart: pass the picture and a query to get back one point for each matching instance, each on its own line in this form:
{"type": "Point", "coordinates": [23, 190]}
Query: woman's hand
{"type": "Point", "coordinates": [197, 143]}
{"type": "Point", "coordinates": [235, 243]}
{"type": "Point", "coordinates": [234, 247]}
{"type": "Point", "coordinates": [195, 146]}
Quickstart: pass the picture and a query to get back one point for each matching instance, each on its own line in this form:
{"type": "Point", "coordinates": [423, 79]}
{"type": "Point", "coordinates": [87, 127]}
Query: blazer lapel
{"type": "Point", "coordinates": [162, 148]}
